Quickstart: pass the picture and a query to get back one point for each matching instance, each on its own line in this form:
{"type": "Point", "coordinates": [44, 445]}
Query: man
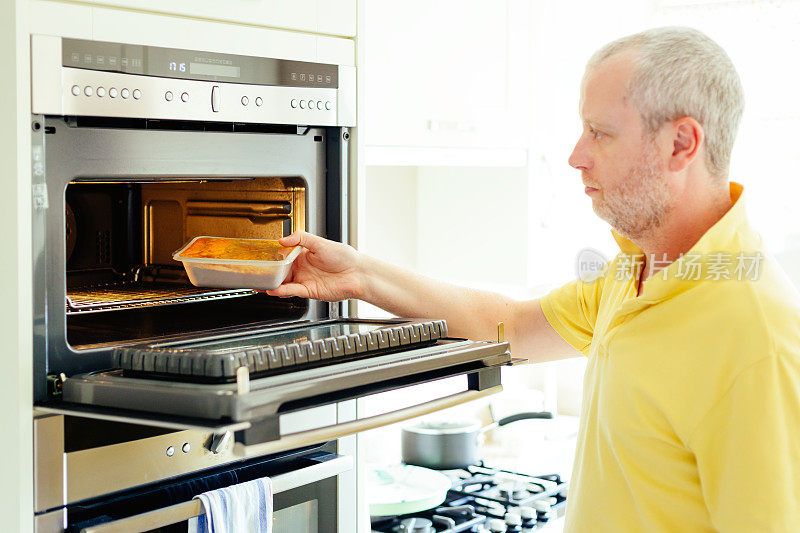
{"type": "Point", "coordinates": [691, 409]}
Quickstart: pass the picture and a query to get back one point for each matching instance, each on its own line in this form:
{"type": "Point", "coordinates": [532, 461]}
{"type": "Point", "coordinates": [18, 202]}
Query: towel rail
{"type": "Point", "coordinates": [184, 511]}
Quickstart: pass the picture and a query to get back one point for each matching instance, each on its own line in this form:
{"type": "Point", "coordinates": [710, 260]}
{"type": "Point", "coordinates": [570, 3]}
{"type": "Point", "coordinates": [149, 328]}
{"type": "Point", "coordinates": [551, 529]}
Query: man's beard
{"type": "Point", "coordinates": [641, 201]}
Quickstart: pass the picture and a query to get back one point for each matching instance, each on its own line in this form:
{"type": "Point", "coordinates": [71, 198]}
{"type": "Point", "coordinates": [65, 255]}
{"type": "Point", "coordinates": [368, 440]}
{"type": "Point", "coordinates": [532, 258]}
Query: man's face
{"type": "Point", "coordinates": [619, 162]}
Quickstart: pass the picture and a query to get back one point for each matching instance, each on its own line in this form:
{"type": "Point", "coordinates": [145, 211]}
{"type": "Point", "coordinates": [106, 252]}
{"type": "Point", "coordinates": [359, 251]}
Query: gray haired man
{"type": "Point", "coordinates": [691, 406]}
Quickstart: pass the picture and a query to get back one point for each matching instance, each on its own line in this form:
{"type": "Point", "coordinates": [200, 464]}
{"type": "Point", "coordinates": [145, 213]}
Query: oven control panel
{"type": "Point", "coordinates": [68, 80]}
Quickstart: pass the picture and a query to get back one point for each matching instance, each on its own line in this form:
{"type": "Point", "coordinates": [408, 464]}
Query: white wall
{"type": "Point", "coordinates": [472, 225]}
{"type": "Point", "coordinates": [459, 224]}
{"type": "Point", "coordinates": [392, 214]}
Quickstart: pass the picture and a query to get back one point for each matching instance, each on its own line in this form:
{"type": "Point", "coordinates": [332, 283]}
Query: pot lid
{"type": "Point", "coordinates": [402, 489]}
{"type": "Point", "coordinates": [445, 427]}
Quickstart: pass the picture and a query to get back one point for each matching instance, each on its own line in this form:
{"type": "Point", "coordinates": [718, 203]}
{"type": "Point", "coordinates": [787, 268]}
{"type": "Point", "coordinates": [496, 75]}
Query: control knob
{"type": "Point", "coordinates": [219, 441]}
{"type": "Point", "coordinates": [513, 522]}
{"type": "Point", "coordinates": [497, 525]}
{"type": "Point", "coordinates": [528, 515]}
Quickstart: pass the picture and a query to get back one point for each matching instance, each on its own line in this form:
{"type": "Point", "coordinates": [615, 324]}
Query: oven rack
{"type": "Point", "coordinates": [141, 294]}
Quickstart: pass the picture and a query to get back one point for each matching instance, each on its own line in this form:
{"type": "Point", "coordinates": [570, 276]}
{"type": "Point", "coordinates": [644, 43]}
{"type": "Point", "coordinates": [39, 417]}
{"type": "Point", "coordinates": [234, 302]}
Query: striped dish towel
{"type": "Point", "coordinates": [242, 508]}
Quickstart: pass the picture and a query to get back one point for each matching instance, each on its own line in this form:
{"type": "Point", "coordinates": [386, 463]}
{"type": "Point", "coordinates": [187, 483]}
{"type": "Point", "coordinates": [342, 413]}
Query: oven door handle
{"type": "Point", "coordinates": [323, 434]}
{"type": "Point", "coordinates": [184, 511]}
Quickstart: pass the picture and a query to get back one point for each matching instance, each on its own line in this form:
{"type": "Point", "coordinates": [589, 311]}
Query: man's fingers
{"type": "Point", "coordinates": [290, 289]}
{"type": "Point", "coordinates": [290, 240]}
{"type": "Point", "coordinates": [302, 238]}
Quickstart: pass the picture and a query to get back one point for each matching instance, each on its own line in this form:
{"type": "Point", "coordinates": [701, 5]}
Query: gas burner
{"type": "Point", "coordinates": [513, 491]}
{"type": "Point", "coordinates": [415, 525]}
{"type": "Point", "coordinates": [482, 498]}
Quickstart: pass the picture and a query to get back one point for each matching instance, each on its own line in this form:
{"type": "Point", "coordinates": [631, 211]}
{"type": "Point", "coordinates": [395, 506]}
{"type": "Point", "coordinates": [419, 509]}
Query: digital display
{"type": "Point", "coordinates": [204, 69]}
{"type": "Point", "coordinates": [174, 66]}
{"type": "Point", "coordinates": [196, 65]}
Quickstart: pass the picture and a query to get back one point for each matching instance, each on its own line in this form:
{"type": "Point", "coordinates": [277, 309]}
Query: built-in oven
{"type": "Point", "coordinates": [143, 380]}
{"type": "Point", "coordinates": [105, 460]}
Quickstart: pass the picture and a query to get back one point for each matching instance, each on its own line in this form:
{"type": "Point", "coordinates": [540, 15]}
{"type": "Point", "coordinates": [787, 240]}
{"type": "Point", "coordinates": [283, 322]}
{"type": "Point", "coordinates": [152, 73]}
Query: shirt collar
{"type": "Point", "coordinates": [721, 237]}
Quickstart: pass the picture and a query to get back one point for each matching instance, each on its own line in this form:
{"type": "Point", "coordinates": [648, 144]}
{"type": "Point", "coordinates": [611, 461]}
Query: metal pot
{"type": "Point", "coordinates": [447, 445]}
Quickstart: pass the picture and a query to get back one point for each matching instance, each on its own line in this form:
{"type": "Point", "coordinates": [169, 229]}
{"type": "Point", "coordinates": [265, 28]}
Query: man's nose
{"type": "Point", "coordinates": [579, 158]}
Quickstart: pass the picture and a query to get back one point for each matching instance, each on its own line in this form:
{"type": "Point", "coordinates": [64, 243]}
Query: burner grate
{"type": "Point", "coordinates": [142, 294]}
{"type": "Point", "coordinates": [482, 495]}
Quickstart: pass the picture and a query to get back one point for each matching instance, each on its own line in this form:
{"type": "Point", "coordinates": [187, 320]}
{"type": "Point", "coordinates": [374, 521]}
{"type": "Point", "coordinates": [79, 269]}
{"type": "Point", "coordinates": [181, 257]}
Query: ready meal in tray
{"type": "Point", "coordinates": [236, 263]}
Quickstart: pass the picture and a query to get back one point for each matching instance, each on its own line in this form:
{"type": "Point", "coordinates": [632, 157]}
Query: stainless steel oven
{"type": "Point", "coordinates": [143, 381]}
{"type": "Point", "coordinates": [106, 462]}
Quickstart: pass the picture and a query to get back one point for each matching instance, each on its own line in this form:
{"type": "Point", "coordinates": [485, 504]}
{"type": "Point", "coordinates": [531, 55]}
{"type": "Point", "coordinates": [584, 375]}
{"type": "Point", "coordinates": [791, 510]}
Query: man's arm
{"type": "Point", "coordinates": [332, 271]}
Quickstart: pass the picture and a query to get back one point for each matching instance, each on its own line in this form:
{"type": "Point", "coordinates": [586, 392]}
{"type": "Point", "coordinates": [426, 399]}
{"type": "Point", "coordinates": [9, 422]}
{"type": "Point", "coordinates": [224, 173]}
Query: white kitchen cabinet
{"type": "Point", "coordinates": [450, 74]}
{"type": "Point", "coordinates": [333, 17]}
{"type": "Point", "coordinates": [104, 24]}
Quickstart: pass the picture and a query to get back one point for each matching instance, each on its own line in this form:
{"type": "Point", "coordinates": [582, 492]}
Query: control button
{"type": "Point", "coordinates": [77, 90]}
{"type": "Point", "coordinates": [112, 92]}
{"type": "Point", "coordinates": [184, 97]}
{"type": "Point", "coordinates": [215, 98]}
{"type": "Point", "coordinates": [328, 105]}
{"type": "Point", "coordinates": [259, 101]}
{"type": "Point", "coordinates": [137, 94]}
{"type": "Point", "coordinates": [319, 104]}
{"type": "Point", "coordinates": [125, 93]}
{"type": "Point", "coordinates": [294, 102]}
{"type": "Point", "coordinates": [170, 451]}
{"type": "Point", "coordinates": [88, 91]}
{"type": "Point", "coordinates": [186, 447]}
{"type": "Point", "coordinates": [101, 92]}
{"type": "Point", "coordinates": [168, 96]}
{"type": "Point", "coordinates": [245, 100]}
{"type": "Point", "coordinates": [302, 104]}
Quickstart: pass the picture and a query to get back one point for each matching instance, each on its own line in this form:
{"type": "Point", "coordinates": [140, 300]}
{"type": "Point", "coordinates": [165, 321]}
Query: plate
{"type": "Point", "coordinates": [402, 489]}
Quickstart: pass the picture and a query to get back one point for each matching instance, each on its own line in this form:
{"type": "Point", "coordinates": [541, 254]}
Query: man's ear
{"type": "Point", "coordinates": [687, 138]}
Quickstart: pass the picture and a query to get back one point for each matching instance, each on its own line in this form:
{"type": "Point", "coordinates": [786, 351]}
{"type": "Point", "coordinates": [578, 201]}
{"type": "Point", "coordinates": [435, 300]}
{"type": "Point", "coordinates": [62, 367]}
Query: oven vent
{"type": "Point", "coordinates": [138, 294]}
{"type": "Point", "coordinates": [183, 125]}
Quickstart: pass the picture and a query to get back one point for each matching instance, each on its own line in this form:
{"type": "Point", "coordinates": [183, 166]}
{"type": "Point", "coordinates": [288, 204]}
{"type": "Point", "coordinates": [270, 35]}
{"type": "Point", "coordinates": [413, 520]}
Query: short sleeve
{"type": "Point", "coordinates": [572, 311]}
{"type": "Point", "coordinates": [747, 450]}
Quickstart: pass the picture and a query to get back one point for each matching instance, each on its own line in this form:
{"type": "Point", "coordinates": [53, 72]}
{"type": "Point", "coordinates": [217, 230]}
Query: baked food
{"type": "Point", "coordinates": [239, 249]}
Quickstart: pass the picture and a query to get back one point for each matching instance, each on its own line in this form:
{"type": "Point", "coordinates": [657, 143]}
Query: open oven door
{"type": "Point", "coordinates": [243, 380]}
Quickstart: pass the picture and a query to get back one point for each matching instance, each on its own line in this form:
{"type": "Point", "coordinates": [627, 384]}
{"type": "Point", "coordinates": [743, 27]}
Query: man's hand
{"type": "Point", "coordinates": [332, 271]}
{"type": "Point", "coordinates": [324, 270]}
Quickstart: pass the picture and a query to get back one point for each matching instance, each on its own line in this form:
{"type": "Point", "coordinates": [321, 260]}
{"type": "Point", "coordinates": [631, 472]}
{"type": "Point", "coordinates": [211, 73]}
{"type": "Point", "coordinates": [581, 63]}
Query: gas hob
{"type": "Point", "coordinates": [486, 500]}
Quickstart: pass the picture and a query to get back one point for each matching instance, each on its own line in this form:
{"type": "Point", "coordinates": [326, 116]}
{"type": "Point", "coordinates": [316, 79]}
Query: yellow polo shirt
{"type": "Point", "coordinates": [691, 400]}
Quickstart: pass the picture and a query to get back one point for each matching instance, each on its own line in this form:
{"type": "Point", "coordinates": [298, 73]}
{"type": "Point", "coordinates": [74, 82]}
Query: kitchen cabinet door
{"type": "Point", "coordinates": [118, 25]}
{"type": "Point", "coordinates": [333, 17]}
{"type": "Point", "coordinates": [450, 73]}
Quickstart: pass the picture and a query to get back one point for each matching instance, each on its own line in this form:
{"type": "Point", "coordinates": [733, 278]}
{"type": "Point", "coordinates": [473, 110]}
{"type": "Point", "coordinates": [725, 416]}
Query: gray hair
{"type": "Point", "coordinates": [681, 72]}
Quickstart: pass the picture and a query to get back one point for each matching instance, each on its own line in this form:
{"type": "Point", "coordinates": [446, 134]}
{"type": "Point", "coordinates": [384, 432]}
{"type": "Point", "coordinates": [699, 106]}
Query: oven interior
{"type": "Point", "coordinates": [122, 284]}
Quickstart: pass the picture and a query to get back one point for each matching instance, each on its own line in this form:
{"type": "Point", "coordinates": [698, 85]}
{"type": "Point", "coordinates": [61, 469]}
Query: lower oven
{"type": "Point", "coordinates": [143, 381]}
{"type": "Point", "coordinates": [110, 496]}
